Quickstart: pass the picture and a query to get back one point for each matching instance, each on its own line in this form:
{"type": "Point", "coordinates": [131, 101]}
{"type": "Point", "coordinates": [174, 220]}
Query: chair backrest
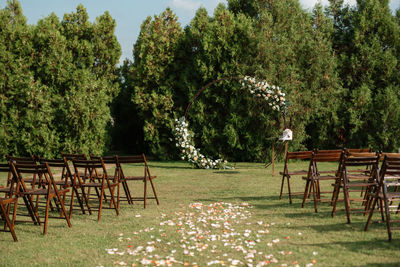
{"type": "Point", "coordinates": [298, 155]}
{"type": "Point", "coordinates": [133, 159]}
{"type": "Point", "coordinates": [369, 160]}
{"type": "Point", "coordinates": [358, 150]}
{"type": "Point", "coordinates": [328, 151]}
{"type": "Point", "coordinates": [41, 170]}
{"type": "Point", "coordinates": [87, 169]}
{"type": "Point", "coordinates": [70, 156]}
{"type": "Point", "coordinates": [61, 164]}
{"type": "Point", "coordinates": [106, 159]}
{"type": "Point", "coordinates": [327, 155]}
{"type": "Point", "coordinates": [28, 160]}
{"type": "Point", "coordinates": [391, 167]}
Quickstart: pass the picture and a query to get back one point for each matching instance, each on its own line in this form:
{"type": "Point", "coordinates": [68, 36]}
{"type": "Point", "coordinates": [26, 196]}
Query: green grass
{"type": "Point", "coordinates": [326, 241]}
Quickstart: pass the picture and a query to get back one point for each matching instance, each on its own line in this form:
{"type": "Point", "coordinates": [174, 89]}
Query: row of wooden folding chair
{"type": "Point", "coordinates": [123, 178]}
{"type": "Point", "coordinates": [386, 195]}
{"type": "Point", "coordinates": [47, 189]}
{"type": "Point", "coordinates": [306, 155]}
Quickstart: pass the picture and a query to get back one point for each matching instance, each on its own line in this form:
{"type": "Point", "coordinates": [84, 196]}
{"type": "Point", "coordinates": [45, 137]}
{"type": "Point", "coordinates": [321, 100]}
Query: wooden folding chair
{"type": "Point", "coordinates": [286, 174]}
{"type": "Point", "coordinates": [67, 180]}
{"type": "Point", "coordinates": [356, 182]}
{"type": "Point", "coordinates": [47, 189]}
{"type": "Point", "coordinates": [110, 161]}
{"type": "Point", "coordinates": [315, 175]}
{"type": "Point", "coordinates": [10, 198]}
{"type": "Point", "coordinates": [386, 195]}
{"type": "Point", "coordinates": [146, 177]}
{"type": "Point", "coordinates": [88, 176]}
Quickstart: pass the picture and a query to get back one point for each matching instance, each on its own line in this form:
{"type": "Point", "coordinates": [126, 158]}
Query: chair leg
{"type": "Point", "coordinates": [154, 191]}
{"type": "Point", "coordinates": [127, 192]}
{"type": "Point", "coordinates": [282, 184]}
{"type": "Point", "coordinates": [101, 203]}
{"type": "Point", "coordinates": [335, 200]}
{"type": "Point", "coordinates": [46, 215]}
{"type": "Point", "coordinates": [314, 186]}
{"type": "Point", "coordinates": [382, 209]}
{"type": "Point", "coordinates": [305, 193]}
{"type": "Point", "coordinates": [387, 213]}
{"type": "Point", "coordinates": [4, 214]}
{"type": "Point", "coordinates": [145, 192]}
{"type": "Point", "coordinates": [113, 199]}
{"type": "Point", "coordinates": [371, 212]}
{"type": "Point", "coordinates": [63, 210]}
{"type": "Point", "coordinates": [289, 191]}
{"type": "Point", "coordinates": [346, 202]}
{"type": "Point", "coordinates": [31, 209]}
{"type": "Point", "coordinates": [86, 198]}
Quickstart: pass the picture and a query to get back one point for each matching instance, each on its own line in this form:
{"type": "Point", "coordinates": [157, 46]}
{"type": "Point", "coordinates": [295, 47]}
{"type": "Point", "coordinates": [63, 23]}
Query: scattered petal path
{"type": "Point", "coordinates": [204, 231]}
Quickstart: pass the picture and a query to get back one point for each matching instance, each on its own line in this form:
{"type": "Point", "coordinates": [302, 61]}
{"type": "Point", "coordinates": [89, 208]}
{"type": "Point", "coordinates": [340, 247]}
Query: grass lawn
{"type": "Point", "coordinates": [207, 217]}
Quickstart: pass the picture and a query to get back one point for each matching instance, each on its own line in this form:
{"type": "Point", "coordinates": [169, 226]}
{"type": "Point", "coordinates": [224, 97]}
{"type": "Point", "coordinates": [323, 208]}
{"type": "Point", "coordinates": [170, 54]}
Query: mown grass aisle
{"type": "Point", "coordinates": [207, 217]}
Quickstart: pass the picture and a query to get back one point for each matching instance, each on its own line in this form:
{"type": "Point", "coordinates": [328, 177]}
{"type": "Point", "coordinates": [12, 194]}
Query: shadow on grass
{"type": "Point", "coordinates": [152, 165]}
{"type": "Point", "coordinates": [382, 245]}
{"type": "Point", "coordinates": [226, 172]}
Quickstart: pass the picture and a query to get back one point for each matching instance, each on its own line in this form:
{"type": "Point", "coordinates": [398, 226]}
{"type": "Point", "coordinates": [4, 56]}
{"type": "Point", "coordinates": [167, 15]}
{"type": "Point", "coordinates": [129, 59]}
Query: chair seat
{"type": "Point", "coordinates": [44, 191]}
{"type": "Point", "coordinates": [62, 182]}
{"type": "Point", "coordinates": [391, 195]}
{"type": "Point", "coordinates": [98, 185]}
{"type": "Point", "coordinates": [5, 189]}
{"type": "Point", "coordinates": [295, 172]}
{"type": "Point", "coordinates": [5, 201]}
{"type": "Point", "coordinates": [360, 184]}
{"type": "Point", "coordinates": [137, 178]}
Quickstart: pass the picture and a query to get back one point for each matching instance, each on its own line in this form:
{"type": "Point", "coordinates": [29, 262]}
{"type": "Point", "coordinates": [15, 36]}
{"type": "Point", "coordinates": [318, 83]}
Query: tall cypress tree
{"type": "Point", "coordinates": [26, 119]}
{"type": "Point", "coordinates": [369, 63]}
{"type": "Point", "coordinates": [154, 53]}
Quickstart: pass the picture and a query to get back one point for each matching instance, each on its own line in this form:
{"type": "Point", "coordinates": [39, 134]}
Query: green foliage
{"type": "Point", "coordinates": [369, 63]}
{"type": "Point", "coordinates": [58, 79]}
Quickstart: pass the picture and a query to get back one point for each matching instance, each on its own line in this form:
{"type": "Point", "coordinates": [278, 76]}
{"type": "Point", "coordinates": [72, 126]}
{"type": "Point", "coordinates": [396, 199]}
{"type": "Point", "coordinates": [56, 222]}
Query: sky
{"type": "Point", "coordinates": [129, 14]}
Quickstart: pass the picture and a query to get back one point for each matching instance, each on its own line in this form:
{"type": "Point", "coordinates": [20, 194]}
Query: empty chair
{"type": "Point", "coordinates": [110, 162]}
{"type": "Point", "coordinates": [315, 175]}
{"type": "Point", "coordinates": [146, 177]}
{"type": "Point", "coordinates": [355, 182]}
{"type": "Point", "coordinates": [67, 180]}
{"type": "Point", "coordinates": [386, 195]}
{"type": "Point", "coordinates": [93, 174]}
{"type": "Point", "coordinates": [48, 189]}
{"type": "Point", "coordinates": [286, 174]}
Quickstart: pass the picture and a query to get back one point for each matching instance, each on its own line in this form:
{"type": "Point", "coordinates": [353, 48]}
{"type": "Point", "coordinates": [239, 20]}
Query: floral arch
{"type": "Point", "coordinates": [272, 95]}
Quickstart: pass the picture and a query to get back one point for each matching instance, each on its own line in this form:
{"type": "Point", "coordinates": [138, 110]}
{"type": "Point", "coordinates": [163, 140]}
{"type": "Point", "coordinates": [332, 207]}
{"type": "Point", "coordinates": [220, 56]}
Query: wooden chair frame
{"type": "Point", "coordinates": [286, 174]}
{"type": "Point", "coordinates": [48, 189]}
{"type": "Point", "coordinates": [315, 175]}
{"type": "Point", "coordinates": [389, 176]}
{"type": "Point", "coordinates": [67, 180]}
{"type": "Point", "coordinates": [347, 180]}
{"type": "Point", "coordinates": [147, 177]}
{"type": "Point", "coordinates": [87, 177]}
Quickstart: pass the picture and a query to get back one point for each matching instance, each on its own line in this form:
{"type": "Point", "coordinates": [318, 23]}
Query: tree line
{"type": "Point", "coordinates": [338, 66]}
